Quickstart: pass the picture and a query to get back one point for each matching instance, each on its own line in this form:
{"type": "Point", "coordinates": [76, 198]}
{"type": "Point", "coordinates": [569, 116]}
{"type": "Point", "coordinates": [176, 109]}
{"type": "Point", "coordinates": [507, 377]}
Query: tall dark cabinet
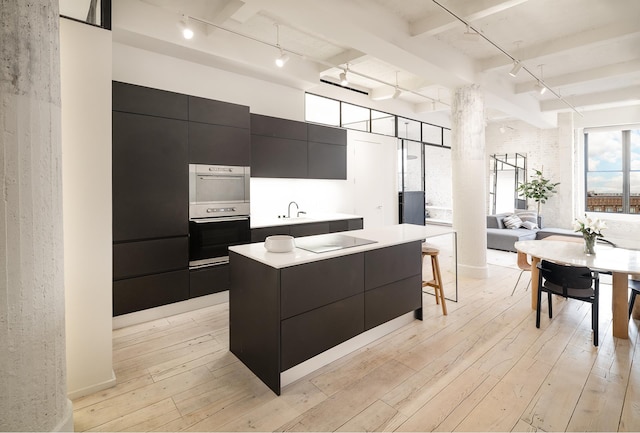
{"type": "Point", "coordinates": [150, 196]}
{"type": "Point", "coordinates": [156, 134]}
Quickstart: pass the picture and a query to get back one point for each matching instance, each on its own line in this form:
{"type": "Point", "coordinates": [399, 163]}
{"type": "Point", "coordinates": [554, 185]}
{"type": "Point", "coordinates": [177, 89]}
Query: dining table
{"type": "Point", "coordinates": [620, 262]}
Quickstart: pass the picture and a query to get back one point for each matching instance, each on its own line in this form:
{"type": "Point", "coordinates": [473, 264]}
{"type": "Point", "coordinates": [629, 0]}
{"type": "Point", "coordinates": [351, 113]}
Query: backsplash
{"type": "Point", "coordinates": [271, 197]}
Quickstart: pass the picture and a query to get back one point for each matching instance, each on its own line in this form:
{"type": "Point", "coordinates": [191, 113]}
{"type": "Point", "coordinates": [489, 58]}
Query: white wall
{"type": "Point", "coordinates": [85, 62]}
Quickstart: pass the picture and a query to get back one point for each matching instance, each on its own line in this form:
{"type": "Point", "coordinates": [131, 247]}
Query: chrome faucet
{"type": "Point", "coordinates": [297, 209]}
{"type": "Point", "coordinates": [289, 208]}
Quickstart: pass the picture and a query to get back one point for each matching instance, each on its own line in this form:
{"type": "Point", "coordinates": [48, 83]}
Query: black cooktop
{"type": "Point", "coordinates": [330, 242]}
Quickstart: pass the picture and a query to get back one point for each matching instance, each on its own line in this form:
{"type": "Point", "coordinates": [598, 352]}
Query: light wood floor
{"type": "Point", "coordinates": [484, 367]}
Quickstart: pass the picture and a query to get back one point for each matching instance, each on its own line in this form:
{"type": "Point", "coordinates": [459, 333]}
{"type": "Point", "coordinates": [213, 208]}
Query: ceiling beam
{"type": "Point", "coordinates": [600, 36]}
{"type": "Point", "coordinates": [603, 72]}
{"type": "Point", "coordinates": [440, 20]}
{"type": "Point", "coordinates": [629, 94]}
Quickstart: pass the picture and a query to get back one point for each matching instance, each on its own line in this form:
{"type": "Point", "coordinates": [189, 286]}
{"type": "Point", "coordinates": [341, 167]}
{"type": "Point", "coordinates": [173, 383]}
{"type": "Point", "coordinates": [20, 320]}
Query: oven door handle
{"type": "Point", "coordinates": [218, 219]}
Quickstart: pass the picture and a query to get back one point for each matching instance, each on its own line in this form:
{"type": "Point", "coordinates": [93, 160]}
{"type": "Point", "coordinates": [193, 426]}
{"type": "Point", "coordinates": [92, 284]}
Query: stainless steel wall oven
{"type": "Point", "coordinates": [218, 212]}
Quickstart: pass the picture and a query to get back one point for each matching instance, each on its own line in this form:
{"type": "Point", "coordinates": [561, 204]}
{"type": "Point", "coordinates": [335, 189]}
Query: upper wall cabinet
{"type": "Point", "coordinates": [130, 98]}
{"type": "Point", "coordinates": [218, 133]}
{"type": "Point", "coordinates": [288, 149]}
{"type": "Point", "coordinates": [218, 112]}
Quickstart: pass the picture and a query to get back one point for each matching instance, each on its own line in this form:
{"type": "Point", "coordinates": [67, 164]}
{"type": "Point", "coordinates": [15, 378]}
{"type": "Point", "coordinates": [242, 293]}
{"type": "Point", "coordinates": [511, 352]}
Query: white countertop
{"type": "Point", "coordinates": [262, 221]}
{"type": "Point", "coordinates": [384, 236]}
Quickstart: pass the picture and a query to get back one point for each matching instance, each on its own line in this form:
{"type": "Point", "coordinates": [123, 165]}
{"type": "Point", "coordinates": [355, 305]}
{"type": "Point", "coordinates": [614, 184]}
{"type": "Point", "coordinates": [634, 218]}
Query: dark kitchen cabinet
{"type": "Point", "coordinates": [326, 134]}
{"type": "Point", "coordinates": [284, 148]}
{"type": "Point", "coordinates": [214, 112]}
{"type": "Point", "coordinates": [150, 177]}
{"type": "Point", "coordinates": [309, 229]}
{"type": "Point", "coordinates": [131, 98]}
{"type": "Point", "coordinates": [275, 127]}
{"type": "Point", "coordinates": [278, 147]}
{"type": "Point", "coordinates": [278, 157]}
{"type": "Point", "coordinates": [206, 281]}
{"type": "Point", "coordinates": [140, 293]}
{"type": "Point", "coordinates": [134, 259]}
{"type": "Point", "coordinates": [327, 152]}
{"type": "Point", "coordinates": [327, 161]}
{"type": "Point", "coordinates": [261, 233]}
{"type": "Point", "coordinates": [309, 334]}
{"type": "Point", "coordinates": [219, 144]}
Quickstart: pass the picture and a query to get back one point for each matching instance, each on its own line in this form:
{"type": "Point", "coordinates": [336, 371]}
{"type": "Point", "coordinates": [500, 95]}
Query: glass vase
{"type": "Point", "coordinates": [589, 244]}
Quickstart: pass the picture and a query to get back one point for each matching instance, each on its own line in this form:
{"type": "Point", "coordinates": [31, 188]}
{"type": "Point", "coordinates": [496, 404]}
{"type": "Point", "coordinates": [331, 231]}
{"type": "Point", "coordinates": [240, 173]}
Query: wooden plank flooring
{"type": "Point", "coordinates": [484, 367]}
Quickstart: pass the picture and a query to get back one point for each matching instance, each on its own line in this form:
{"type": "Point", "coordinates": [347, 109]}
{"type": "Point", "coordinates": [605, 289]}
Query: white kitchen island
{"type": "Point", "coordinates": [290, 313]}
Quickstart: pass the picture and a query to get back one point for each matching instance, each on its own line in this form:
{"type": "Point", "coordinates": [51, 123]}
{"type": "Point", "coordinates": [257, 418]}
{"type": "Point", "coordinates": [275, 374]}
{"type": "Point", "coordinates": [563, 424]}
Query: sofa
{"type": "Point", "coordinates": [500, 237]}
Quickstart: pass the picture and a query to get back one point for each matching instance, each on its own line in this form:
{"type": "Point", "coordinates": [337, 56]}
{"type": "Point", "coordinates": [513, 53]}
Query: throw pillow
{"type": "Point", "coordinates": [512, 221]}
{"type": "Point", "coordinates": [529, 225]}
{"type": "Point", "coordinates": [527, 215]}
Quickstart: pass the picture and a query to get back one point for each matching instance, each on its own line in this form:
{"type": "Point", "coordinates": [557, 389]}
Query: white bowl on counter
{"type": "Point", "coordinates": [279, 243]}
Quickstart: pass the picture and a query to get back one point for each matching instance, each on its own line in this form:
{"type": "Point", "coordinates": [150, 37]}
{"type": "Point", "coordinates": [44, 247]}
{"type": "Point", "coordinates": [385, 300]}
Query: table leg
{"type": "Point", "coordinates": [534, 282]}
{"type": "Point", "coordinates": [620, 305]}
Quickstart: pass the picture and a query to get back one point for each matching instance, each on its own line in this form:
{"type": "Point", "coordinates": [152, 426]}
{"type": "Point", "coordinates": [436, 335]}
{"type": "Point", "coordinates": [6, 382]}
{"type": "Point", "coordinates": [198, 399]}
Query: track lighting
{"type": "Point", "coordinates": [397, 92]}
{"type": "Point", "coordinates": [282, 60]}
{"type": "Point", "coordinates": [541, 88]}
{"type": "Point", "coordinates": [284, 57]}
{"type": "Point", "coordinates": [343, 78]}
{"type": "Point", "coordinates": [183, 25]}
{"type": "Point", "coordinates": [516, 68]}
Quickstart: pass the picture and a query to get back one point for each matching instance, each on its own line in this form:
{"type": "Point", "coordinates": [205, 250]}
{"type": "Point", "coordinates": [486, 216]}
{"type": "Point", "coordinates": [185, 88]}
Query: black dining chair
{"type": "Point", "coordinates": [634, 285]}
{"type": "Point", "coordinates": [572, 282]}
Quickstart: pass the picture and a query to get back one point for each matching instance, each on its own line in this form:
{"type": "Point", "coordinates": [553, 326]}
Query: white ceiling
{"type": "Point", "coordinates": [589, 49]}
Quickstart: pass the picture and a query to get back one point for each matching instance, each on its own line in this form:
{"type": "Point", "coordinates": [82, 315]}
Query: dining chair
{"type": "Point", "coordinates": [571, 282]}
{"type": "Point", "coordinates": [634, 285]}
{"type": "Point", "coordinates": [524, 265]}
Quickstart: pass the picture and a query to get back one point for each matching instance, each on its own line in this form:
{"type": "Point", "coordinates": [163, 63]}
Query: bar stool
{"type": "Point", "coordinates": [436, 283]}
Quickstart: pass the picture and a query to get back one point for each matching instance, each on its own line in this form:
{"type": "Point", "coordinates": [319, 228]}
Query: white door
{"type": "Point", "coordinates": [374, 165]}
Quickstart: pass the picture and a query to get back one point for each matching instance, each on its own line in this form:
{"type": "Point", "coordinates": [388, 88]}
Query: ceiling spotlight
{"type": "Point", "coordinates": [183, 24]}
{"type": "Point", "coordinates": [343, 78]}
{"type": "Point", "coordinates": [397, 92]}
{"type": "Point", "coordinates": [502, 130]}
{"type": "Point", "coordinates": [282, 60]}
{"type": "Point", "coordinates": [516, 68]}
{"type": "Point", "coordinates": [541, 88]}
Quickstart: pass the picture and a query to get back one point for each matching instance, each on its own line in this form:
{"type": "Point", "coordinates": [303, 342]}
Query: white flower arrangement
{"type": "Point", "coordinates": [588, 226]}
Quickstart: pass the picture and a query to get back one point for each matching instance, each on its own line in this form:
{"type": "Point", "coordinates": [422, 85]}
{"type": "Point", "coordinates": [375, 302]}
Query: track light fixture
{"type": "Point", "coordinates": [282, 60]}
{"type": "Point", "coordinates": [516, 68]}
{"type": "Point", "coordinates": [397, 92]}
{"type": "Point", "coordinates": [540, 86]}
{"type": "Point", "coordinates": [184, 27]}
{"type": "Point", "coordinates": [344, 81]}
{"type": "Point", "coordinates": [284, 57]}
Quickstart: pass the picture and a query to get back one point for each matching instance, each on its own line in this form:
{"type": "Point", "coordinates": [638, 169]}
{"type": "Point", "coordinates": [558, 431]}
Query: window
{"type": "Point", "coordinates": [612, 170]}
{"type": "Point", "coordinates": [327, 111]}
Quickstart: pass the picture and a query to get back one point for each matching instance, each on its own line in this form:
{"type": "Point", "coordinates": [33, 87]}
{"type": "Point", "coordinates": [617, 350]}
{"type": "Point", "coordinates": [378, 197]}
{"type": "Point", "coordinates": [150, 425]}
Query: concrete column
{"type": "Point", "coordinates": [567, 188]}
{"type": "Point", "coordinates": [33, 374]}
{"type": "Point", "coordinates": [469, 168]}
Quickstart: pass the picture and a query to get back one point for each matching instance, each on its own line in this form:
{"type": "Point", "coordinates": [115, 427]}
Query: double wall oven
{"type": "Point", "coordinates": [218, 212]}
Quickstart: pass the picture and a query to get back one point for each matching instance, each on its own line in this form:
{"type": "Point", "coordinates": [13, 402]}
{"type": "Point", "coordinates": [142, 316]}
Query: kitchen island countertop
{"type": "Point", "coordinates": [383, 237]}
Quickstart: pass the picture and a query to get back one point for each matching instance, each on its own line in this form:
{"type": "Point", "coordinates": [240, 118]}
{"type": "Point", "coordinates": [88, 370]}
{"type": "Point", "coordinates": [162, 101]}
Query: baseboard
{"type": "Point", "coordinates": [93, 388]}
{"type": "Point", "coordinates": [66, 424]}
{"type": "Point", "coordinates": [169, 310]}
{"type": "Point", "coordinates": [478, 272]}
